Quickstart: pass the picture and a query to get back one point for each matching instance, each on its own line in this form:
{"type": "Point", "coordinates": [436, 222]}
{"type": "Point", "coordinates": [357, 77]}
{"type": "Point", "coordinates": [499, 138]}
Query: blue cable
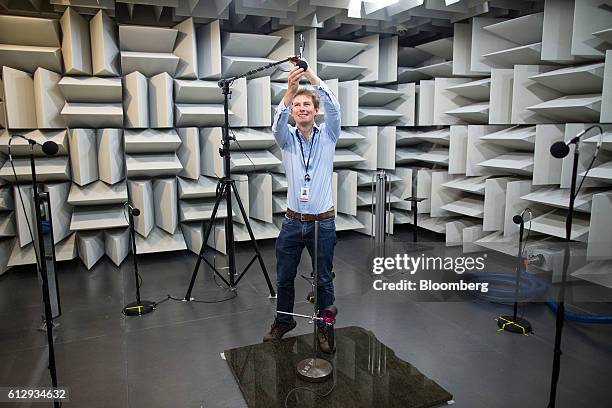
{"type": "Point", "coordinates": [502, 288]}
{"type": "Point", "coordinates": [581, 318]}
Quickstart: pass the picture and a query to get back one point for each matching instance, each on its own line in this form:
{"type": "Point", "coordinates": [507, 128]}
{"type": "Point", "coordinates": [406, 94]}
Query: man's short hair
{"type": "Point", "coordinates": [308, 92]}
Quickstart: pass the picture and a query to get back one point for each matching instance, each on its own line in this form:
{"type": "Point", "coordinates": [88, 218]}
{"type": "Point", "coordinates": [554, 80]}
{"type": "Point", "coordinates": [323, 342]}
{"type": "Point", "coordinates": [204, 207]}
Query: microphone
{"type": "Point", "coordinates": [300, 59]}
{"type": "Point", "coordinates": [133, 210]}
{"type": "Point", "coordinates": [561, 149]}
{"type": "Point", "coordinates": [49, 147]}
{"type": "Point", "coordinates": [518, 219]}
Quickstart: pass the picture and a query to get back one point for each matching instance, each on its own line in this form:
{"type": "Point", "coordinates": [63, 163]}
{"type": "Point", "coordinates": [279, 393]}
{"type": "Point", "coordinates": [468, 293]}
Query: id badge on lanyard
{"type": "Point", "coordinates": [305, 189]}
{"type": "Point", "coordinates": [304, 193]}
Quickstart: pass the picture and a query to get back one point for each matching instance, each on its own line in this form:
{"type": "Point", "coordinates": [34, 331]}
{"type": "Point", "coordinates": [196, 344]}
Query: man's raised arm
{"type": "Point", "coordinates": [283, 110]}
{"type": "Point", "coordinates": [330, 104]}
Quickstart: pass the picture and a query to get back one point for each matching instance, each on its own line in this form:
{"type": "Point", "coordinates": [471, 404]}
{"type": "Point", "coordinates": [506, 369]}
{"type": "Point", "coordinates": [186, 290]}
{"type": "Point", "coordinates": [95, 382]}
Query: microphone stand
{"type": "Point", "coordinates": [514, 324]}
{"type": "Point", "coordinates": [225, 187]}
{"type": "Point", "coordinates": [315, 369]}
{"type": "Point", "coordinates": [561, 307]}
{"type": "Point", "coordinates": [566, 260]}
{"type": "Point", "coordinates": [42, 269]}
{"type": "Point", "coordinates": [139, 307]}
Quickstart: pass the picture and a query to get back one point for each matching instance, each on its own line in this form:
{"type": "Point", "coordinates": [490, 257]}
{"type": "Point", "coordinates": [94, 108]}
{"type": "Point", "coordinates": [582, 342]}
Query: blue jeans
{"type": "Point", "coordinates": [294, 236]}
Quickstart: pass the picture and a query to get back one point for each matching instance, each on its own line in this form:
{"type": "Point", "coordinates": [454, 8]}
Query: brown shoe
{"type": "Point", "coordinates": [278, 330]}
{"type": "Point", "coordinates": [325, 337]}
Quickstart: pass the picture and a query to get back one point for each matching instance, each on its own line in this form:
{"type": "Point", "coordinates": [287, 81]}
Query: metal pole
{"type": "Point", "coordinates": [229, 225]}
{"type": "Point", "coordinates": [379, 226]}
{"type": "Point", "coordinates": [373, 197]}
{"type": "Point", "coordinates": [415, 221]}
{"type": "Point", "coordinates": [52, 281]}
{"type": "Point", "coordinates": [314, 369]}
{"type": "Point", "coordinates": [133, 242]}
{"type": "Point", "coordinates": [315, 287]}
{"type": "Point", "coordinates": [43, 274]}
{"type": "Point", "coordinates": [561, 307]}
{"type": "Point", "coordinates": [518, 269]}
{"type": "Point", "coordinates": [388, 201]}
{"type": "Point", "coordinates": [515, 324]}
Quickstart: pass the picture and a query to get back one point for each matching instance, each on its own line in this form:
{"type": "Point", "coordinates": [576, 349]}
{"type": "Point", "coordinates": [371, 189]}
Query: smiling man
{"type": "Point", "coordinates": [308, 159]}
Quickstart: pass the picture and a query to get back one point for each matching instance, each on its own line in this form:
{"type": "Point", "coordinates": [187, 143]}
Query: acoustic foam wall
{"type": "Point", "coordinates": [468, 118]}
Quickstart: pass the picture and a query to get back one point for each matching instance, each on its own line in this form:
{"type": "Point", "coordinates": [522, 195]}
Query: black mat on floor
{"type": "Point", "coordinates": [366, 374]}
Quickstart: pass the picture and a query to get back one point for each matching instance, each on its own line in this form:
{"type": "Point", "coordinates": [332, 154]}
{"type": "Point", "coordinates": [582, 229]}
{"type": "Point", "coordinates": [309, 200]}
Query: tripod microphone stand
{"type": "Point", "coordinates": [139, 307]}
{"type": "Point", "coordinates": [225, 187]}
{"type": "Point", "coordinates": [513, 323]}
{"type": "Point", "coordinates": [560, 150]}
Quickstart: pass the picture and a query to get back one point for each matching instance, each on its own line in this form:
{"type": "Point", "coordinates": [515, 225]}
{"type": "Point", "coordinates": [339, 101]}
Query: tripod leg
{"type": "Point", "coordinates": [209, 228]}
{"type": "Point", "coordinates": [253, 241]}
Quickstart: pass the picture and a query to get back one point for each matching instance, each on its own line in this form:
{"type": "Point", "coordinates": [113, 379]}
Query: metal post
{"type": "Point", "coordinates": [515, 324]}
{"type": "Point", "coordinates": [380, 215]}
{"type": "Point", "coordinates": [315, 286]}
{"type": "Point", "coordinates": [561, 306]}
{"type": "Point", "coordinates": [52, 281]}
{"type": "Point", "coordinates": [315, 369]}
{"type": "Point", "coordinates": [133, 244]}
{"type": "Point", "coordinates": [415, 221]}
{"type": "Point", "coordinates": [42, 268]}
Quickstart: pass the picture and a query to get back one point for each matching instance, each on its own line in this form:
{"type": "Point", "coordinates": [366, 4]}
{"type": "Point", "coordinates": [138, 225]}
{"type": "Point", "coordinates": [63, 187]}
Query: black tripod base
{"type": "Point", "coordinates": [518, 325]}
{"type": "Point", "coordinates": [135, 309]}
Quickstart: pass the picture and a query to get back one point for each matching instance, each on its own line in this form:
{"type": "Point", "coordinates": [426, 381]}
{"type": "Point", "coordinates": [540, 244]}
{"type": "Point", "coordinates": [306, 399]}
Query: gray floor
{"type": "Point", "coordinates": [171, 358]}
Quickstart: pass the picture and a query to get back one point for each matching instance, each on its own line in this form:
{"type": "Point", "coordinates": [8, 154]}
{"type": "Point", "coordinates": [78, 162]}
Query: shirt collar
{"type": "Point", "coordinates": [314, 128]}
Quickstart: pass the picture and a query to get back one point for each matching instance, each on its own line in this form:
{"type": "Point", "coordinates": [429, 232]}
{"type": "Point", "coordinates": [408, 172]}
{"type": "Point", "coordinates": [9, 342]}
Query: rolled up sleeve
{"type": "Point", "coordinates": [279, 127]}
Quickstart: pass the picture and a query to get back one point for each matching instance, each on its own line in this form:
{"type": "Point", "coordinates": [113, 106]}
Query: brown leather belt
{"type": "Point", "coordinates": [311, 217]}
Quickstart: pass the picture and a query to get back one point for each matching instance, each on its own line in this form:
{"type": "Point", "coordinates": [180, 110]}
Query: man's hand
{"type": "Point", "coordinates": [293, 81]}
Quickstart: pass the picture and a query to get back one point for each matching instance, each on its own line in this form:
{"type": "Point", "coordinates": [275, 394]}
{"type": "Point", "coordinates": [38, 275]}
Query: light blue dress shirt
{"type": "Point", "coordinates": [322, 143]}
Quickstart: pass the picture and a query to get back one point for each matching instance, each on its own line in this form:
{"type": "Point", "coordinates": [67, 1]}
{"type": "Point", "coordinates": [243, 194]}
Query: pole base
{"type": "Point", "coordinates": [314, 369]}
{"type": "Point", "coordinates": [520, 325]}
{"type": "Point", "coordinates": [135, 309]}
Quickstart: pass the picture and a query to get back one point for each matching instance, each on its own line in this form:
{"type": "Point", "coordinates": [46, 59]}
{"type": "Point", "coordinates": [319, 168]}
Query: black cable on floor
{"type": "Point", "coordinates": [162, 301]}
{"type": "Point", "coordinates": [170, 297]}
{"type": "Point", "coordinates": [311, 390]}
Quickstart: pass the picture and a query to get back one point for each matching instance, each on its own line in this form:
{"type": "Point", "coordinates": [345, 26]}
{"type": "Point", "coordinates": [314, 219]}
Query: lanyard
{"type": "Point", "coordinates": [306, 162]}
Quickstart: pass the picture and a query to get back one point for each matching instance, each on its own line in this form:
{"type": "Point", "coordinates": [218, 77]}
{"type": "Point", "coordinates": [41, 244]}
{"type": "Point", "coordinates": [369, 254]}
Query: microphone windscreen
{"type": "Point", "coordinates": [559, 150]}
{"type": "Point", "coordinates": [50, 148]}
{"type": "Point", "coordinates": [135, 212]}
{"type": "Point", "coordinates": [302, 64]}
{"type": "Point", "coordinates": [517, 219]}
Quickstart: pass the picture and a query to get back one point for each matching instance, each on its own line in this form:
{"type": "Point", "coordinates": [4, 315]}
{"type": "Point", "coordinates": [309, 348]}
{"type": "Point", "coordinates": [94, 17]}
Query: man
{"type": "Point", "coordinates": [308, 159]}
